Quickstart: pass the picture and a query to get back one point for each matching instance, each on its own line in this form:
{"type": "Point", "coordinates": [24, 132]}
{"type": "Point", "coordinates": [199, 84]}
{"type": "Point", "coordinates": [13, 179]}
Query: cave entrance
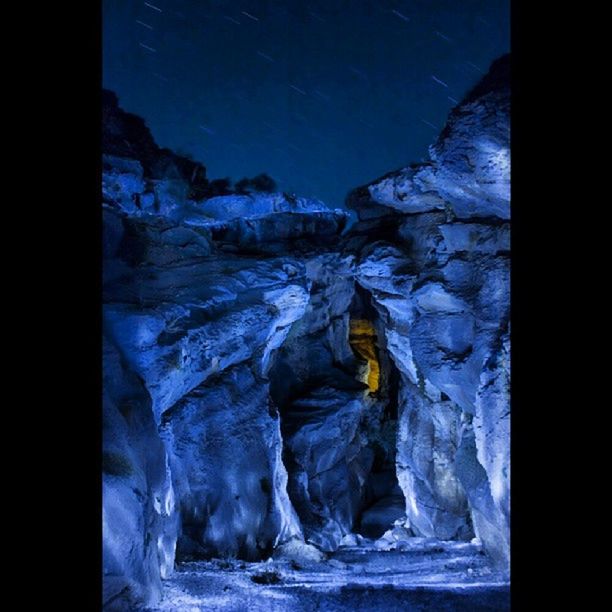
{"type": "Point", "coordinates": [336, 391]}
{"type": "Point", "coordinates": [382, 498]}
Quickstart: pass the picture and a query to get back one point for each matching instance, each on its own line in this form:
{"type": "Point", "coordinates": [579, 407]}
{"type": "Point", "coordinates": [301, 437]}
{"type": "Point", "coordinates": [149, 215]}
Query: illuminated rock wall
{"type": "Point", "coordinates": [439, 277]}
{"type": "Point", "coordinates": [247, 398]}
{"type": "Point", "coordinates": [362, 338]}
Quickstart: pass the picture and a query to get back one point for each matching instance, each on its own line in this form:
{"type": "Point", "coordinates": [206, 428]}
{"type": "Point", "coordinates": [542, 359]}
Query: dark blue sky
{"type": "Point", "coordinates": [323, 95]}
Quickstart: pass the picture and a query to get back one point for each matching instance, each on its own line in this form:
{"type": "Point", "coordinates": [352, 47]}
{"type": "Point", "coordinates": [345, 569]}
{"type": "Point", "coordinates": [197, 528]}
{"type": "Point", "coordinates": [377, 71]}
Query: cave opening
{"type": "Point", "coordinates": [383, 500]}
{"type": "Point", "coordinates": [337, 398]}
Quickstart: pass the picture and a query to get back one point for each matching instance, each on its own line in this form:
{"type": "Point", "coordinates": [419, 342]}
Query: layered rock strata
{"type": "Point", "coordinates": [241, 415]}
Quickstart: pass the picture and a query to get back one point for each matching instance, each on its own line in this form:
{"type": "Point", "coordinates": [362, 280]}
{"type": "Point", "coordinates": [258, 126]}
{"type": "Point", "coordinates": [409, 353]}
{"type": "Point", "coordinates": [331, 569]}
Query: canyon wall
{"type": "Point", "coordinates": [440, 279]}
{"type": "Point", "coordinates": [240, 412]}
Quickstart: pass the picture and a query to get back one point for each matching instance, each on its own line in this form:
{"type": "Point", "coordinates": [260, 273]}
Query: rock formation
{"type": "Point", "coordinates": [272, 377]}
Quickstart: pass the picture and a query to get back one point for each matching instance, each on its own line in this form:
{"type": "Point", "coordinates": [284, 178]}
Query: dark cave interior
{"type": "Point", "coordinates": [352, 488]}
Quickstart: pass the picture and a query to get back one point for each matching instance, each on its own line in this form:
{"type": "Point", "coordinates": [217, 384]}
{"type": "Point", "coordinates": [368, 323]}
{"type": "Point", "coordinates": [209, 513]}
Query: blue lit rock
{"type": "Point", "coordinates": [225, 453]}
{"type": "Point", "coordinates": [174, 348]}
{"type": "Point", "coordinates": [223, 208]}
{"type": "Point", "coordinates": [328, 464]}
{"type": "Point", "coordinates": [468, 171]}
{"type": "Point", "coordinates": [323, 408]}
{"type": "Point", "coordinates": [441, 287]}
{"type": "Point", "coordinates": [197, 319]}
{"type": "Point", "coordinates": [138, 502]}
{"type": "Point", "coordinates": [429, 432]}
{"type": "Point", "coordinates": [236, 419]}
{"type": "Point", "coordinates": [446, 336]}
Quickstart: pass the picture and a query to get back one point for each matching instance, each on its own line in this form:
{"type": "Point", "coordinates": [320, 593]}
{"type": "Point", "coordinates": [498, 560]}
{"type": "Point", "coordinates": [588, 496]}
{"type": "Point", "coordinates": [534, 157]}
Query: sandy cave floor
{"type": "Point", "coordinates": [428, 575]}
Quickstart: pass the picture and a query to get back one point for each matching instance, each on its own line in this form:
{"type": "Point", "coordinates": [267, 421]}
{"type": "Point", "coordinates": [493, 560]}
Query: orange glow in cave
{"type": "Point", "coordinates": [362, 338]}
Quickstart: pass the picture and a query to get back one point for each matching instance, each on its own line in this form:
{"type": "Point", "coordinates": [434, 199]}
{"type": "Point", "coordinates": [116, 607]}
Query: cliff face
{"type": "Point", "coordinates": [198, 297]}
{"type": "Point", "coordinates": [440, 280]}
{"type": "Point", "coordinates": [240, 415]}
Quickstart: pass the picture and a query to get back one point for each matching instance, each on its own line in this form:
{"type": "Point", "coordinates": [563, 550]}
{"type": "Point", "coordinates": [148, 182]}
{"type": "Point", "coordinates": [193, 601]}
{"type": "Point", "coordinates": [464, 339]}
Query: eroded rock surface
{"type": "Point", "coordinates": [139, 520]}
{"type": "Point", "coordinates": [441, 284]}
{"type": "Point", "coordinates": [241, 417]}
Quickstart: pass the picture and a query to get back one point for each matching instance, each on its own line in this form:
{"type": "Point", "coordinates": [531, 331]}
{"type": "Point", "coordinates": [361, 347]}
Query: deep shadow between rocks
{"type": "Point", "coordinates": [339, 428]}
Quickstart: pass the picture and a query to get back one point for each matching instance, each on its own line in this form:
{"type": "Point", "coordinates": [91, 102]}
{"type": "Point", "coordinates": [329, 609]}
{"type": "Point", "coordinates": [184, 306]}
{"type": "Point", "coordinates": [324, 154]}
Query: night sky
{"type": "Point", "coordinates": [323, 95]}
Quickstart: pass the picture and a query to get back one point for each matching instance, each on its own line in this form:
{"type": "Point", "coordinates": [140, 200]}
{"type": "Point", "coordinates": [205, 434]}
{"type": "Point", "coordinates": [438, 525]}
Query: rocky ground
{"type": "Point", "coordinates": [427, 574]}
